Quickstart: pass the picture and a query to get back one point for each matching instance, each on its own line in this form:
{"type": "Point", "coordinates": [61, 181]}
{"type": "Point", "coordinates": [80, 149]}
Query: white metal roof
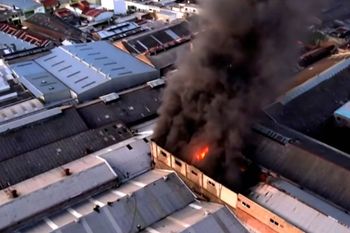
{"type": "Point", "coordinates": [4, 86]}
{"type": "Point", "coordinates": [83, 67]}
{"type": "Point", "coordinates": [77, 75]}
{"type": "Point", "coordinates": [117, 29]}
{"type": "Point", "coordinates": [38, 80]}
{"type": "Point", "coordinates": [295, 211]}
{"type": "Point", "coordinates": [52, 188]}
{"type": "Point", "coordinates": [199, 217]}
{"type": "Point", "coordinates": [31, 118]}
{"type": "Point", "coordinates": [141, 201]}
{"type": "Point", "coordinates": [110, 60]}
{"type": "Point", "coordinates": [311, 200]}
{"type": "Point", "coordinates": [20, 109]}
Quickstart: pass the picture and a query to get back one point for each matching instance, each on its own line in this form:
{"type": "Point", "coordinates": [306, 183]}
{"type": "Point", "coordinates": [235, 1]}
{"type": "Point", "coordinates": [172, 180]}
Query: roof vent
{"type": "Point", "coordinates": [97, 208]}
{"type": "Point", "coordinates": [67, 172]}
{"type": "Point", "coordinates": [109, 98]}
{"type": "Point", "coordinates": [156, 83]}
{"type": "Point", "coordinates": [14, 193]}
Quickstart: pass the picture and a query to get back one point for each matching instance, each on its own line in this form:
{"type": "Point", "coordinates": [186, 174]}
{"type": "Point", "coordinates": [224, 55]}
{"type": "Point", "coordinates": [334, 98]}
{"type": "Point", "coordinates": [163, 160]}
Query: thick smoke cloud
{"type": "Point", "coordinates": [240, 61]}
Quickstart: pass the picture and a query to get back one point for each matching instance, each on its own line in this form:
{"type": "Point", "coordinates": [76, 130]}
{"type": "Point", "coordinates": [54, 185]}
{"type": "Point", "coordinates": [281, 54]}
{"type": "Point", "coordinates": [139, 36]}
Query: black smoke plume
{"type": "Point", "coordinates": [240, 61]}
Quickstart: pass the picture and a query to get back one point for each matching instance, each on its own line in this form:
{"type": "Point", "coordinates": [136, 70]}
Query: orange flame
{"type": "Point", "coordinates": [201, 154]}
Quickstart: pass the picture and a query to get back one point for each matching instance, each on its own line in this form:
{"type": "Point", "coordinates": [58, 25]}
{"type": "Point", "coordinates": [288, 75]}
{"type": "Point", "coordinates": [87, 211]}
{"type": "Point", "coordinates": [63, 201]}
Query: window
{"type": "Point", "coordinates": [274, 222]}
{"type": "Point", "coordinates": [129, 147]}
{"type": "Point", "coordinates": [245, 205]}
{"type": "Point", "coordinates": [194, 173]}
{"type": "Point", "coordinates": [163, 153]}
{"type": "Point", "coordinates": [211, 183]}
{"type": "Point", "coordinates": [178, 163]}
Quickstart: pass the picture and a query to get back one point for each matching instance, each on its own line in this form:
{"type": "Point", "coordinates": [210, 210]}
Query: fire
{"type": "Point", "coordinates": [201, 154]}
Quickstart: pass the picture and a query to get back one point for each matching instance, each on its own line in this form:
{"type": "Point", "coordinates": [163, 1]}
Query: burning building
{"type": "Point", "coordinates": [234, 69]}
{"type": "Point", "coordinates": [211, 102]}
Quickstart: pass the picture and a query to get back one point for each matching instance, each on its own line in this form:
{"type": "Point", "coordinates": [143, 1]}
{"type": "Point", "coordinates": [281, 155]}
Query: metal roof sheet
{"type": "Point", "coordinates": [8, 40]}
{"type": "Point", "coordinates": [39, 81]}
{"type": "Point", "coordinates": [132, 107]}
{"type": "Point", "coordinates": [77, 75]}
{"type": "Point", "coordinates": [141, 201]}
{"type": "Point", "coordinates": [29, 119]}
{"type": "Point", "coordinates": [309, 163]}
{"type": "Point", "coordinates": [29, 164]}
{"type": "Point", "coordinates": [130, 160]}
{"type": "Point", "coordinates": [117, 29]}
{"type": "Point", "coordinates": [311, 200]}
{"type": "Point", "coordinates": [49, 190]}
{"type": "Point", "coordinates": [108, 59]}
{"type": "Point", "coordinates": [4, 86]}
{"type": "Point", "coordinates": [20, 109]}
{"type": "Point", "coordinates": [21, 4]}
{"type": "Point", "coordinates": [199, 217]}
{"type": "Point", "coordinates": [295, 211]}
{"type": "Point", "coordinates": [30, 138]}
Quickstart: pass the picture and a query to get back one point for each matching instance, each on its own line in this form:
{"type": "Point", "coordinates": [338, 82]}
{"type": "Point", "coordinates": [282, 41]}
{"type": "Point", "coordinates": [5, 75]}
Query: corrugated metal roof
{"type": "Point", "coordinates": [29, 119]}
{"type": "Point", "coordinates": [4, 86]}
{"type": "Point", "coordinates": [40, 82]}
{"type": "Point", "coordinates": [20, 109]}
{"type": "Point", "coordinates": [30, 138]}
{"type": "Point", "coordinates": [312, 170]}
{"type": "Point", "coordinates": [295, 211]}
{"type": "Point", "coordinates": [133, 107]}
{"type": "Point", "coordinates": [312, 83]}
{"type": "Point", "coordinates": [141, 201]}
{"type": "Point", "coordinates": [49, 190]}
{"type": "Point", "coordinates": [27, 165]}
{"type": "Point", "coordinates": [129, 161]}
{"type": "Point", "coordinates": [117, 30]}
{"type": "Point", "coordinates": [21, 4]}
{"type": "Point", "coordinates": [153, 39]}
{"type": "Point", "coordinates": [199, 217]}
{"type": "Point", "coordinates": [311, 200]}
{"type": "Point", "coordinates": [111, 61]}
{"type": "Point", "coordinates": [71, 71]}
{"type": "Point", "coordinates": [84, 68]}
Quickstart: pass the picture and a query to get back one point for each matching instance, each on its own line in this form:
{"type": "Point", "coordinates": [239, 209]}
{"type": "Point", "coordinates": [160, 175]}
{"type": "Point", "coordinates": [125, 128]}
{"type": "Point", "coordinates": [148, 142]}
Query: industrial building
{"type": "Point", "coordinates": [85, 70]}
{"type": "Point", "coordinates": [118, 31]}
{"type": "Point", "coordinates": [77, 153]}
{"type": "Point", "coordinates": [15, 40]}
{"type": "Point", "coordinates": [54, 28]}
{"type": "Point", "coordinates": [311, 148]}
{"type": "Point", "coordinates": [159, 47]}
{"type": "Point", "coordinates": [125, 196]}
{"type": "Point", "coordinates": [110, 145]}
{"type": "Point", "coordinates": [97, 176]}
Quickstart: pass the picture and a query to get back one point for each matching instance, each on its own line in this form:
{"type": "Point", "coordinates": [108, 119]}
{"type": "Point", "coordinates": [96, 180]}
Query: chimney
{"type": "Point", "coordinates": [14, 193]}
{"type": "Point", "coordinates": [67, 172]}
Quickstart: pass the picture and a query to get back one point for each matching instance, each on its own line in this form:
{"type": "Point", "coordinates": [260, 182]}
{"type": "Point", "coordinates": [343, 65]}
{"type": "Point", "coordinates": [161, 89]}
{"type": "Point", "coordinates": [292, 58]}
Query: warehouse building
{"type": "Point", "coordinates": [88, 70]}
{"type": "Point", "coordinates": [40, 82]}
{"type": "Point", "coordinates": [302, 140]}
